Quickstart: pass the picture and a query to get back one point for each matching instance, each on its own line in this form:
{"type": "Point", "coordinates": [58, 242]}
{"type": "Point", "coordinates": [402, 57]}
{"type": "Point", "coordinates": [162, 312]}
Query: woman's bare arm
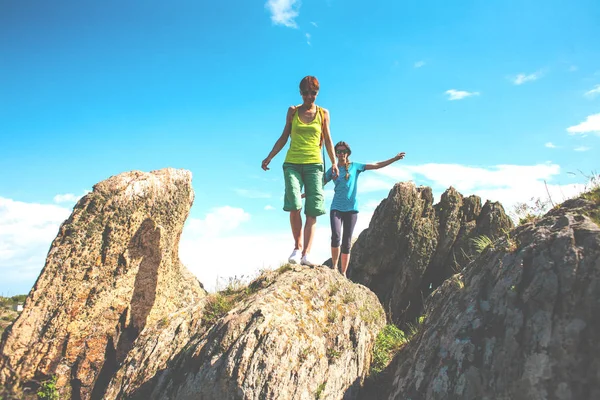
{"type": "Point", "coordinates": [385, 163]}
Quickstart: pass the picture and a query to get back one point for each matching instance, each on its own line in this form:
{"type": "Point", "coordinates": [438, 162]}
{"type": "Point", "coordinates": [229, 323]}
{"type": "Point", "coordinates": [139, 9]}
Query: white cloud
{"type": "Point", "coordinates": [219, 221]}
{"type": "Point", "coordinates": [252, 194]}
{"type": "Point", "coordinates": [69, 197]}
{"type": "Point", "coordinates": [397, 172]}
{"type": "Point", "coordinates": [573, 68]}
{"type": "Point", "coordinates": [237, 255]}
{"type": "Point", "coordinates": [26, 231]}
{"type": "Point", "coordinates": [508, 184]}
{"type": "Point", "coordinates": [582, 148]}
{"type": "Point", "coordinates": [550, 145]}
{"type": "Point", "coordinates": [467, 178]}
{"type": "Point", "coordinates": [269, 207]}
{"type": "Point", "coordinates": [308, 38]}
{"type": "Point", "coordinates": [372, 183]}
{"type": "Point", "coordinates": [213, 245]}
{"type": "Point", "coordinates": [522, 78]}
{"type": "Point", "coordinates": [314, 24]}
{"type": "Point", "coordinates": [593, 92]}
{"type": "Point", "coordinates": [65, 198]}
{"type": "Point", "coordinates": [591, 124]}
{"type": "Point", "coordinates": [419, 64]}
{"type": "Point", "coordinates": [283, 12]}
{"type": "Point", "coordinates": [459, 94]}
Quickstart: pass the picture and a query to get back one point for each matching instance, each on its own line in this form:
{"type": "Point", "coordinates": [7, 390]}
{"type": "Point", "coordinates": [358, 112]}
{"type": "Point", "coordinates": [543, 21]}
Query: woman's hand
{"type": "Point", "coordinates": [400, 156]}
{"type": "Point", "coordinates": [265, 163]}
{"type": "Point", "coordinates": [335, 172]}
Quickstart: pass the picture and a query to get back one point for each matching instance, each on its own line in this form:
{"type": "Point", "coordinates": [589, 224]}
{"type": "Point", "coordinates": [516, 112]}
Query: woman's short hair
{"type": "Point", "coordinates": [309, 83]}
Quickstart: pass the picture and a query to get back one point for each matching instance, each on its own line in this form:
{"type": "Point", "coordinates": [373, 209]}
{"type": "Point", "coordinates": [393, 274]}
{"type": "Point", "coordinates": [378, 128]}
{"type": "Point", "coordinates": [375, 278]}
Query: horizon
{"type": "Point", "coordinates": [501, 101]}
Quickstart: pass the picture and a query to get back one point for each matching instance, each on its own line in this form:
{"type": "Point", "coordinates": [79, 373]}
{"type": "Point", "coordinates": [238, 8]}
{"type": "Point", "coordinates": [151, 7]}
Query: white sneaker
{"type": "Point", "coordinates": [295, 257]}
{"type": "Point", "coordinates": [306, 261]}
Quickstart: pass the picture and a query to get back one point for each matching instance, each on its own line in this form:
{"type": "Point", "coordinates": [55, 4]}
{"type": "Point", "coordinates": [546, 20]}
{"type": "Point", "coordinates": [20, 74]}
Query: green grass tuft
{"type": "Point", "coordinates": [482, 242]}
{"type": "Point", "coordinates": [218, 305]}
{"type": "Point", "coordinates": [320, 390]}
{"type": "Point", "coordinates": [388, 342]}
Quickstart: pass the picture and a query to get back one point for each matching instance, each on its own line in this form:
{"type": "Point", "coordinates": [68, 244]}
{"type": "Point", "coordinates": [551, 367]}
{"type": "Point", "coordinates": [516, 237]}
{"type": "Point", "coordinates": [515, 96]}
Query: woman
{"type": "Point", "coordinates": [308, 127]}
{"type": "Point", "coordinates": [344, 209]}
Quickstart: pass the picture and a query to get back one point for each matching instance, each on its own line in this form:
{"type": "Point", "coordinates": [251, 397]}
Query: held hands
{"type": "Point", "coordinates": [335, 172]}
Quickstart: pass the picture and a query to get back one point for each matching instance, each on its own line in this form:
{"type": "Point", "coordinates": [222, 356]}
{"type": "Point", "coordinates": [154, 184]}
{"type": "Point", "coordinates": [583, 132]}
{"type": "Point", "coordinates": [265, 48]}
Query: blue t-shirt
{"type": "Point", "coordinates": [344, 198]}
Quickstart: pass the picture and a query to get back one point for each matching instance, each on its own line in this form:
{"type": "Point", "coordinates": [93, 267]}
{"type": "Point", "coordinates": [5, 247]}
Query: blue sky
{"type": "Point", "coordinates": [493, 99]}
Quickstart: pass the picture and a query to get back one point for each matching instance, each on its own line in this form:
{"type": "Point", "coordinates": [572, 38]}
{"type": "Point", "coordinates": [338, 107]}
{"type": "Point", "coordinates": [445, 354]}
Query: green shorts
{"type": "Point", "coordinates": [309, 177]}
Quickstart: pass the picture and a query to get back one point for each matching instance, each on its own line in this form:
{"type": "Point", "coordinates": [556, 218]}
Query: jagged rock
{"type": "Point", "coordinates": [157, 345]}
{"type": "Point", "coordinates": [112, 270]}
{"type": "Point", "coordinates": [522, 324]}
{"type": "Point", "coordinates": [412, 246]}
{"type": "Point", "coordinates": [296, 333]}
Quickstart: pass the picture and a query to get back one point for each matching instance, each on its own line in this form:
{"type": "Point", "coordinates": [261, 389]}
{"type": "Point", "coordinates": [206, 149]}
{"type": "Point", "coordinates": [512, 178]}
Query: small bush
{"type": "Point", "coordinates": [48, 390]}
{"type": "Point", "coordinates": [332, 355]}
{"type": "Point", "coordinates": [332, 316]}
{"type": "Point", "coordinates": [284, 268]}
{"type": "Point", "coordinates": [388, 342]}
{"type": "Point", "coordinates": [349, 297]}
{"type": "Point", "coordinates": [531, 211]}
{"type": "Point", "coordinates": [303, 354]}
{"type": "Point", "coordinates": [20, 298]}
{"type": "Point", "coordinates": [369, 315]}
{"type": "Point", "coordinates": [218, 305]}
{"type": "Point", "coordinates": [234, 284]}
{"type": "Point", "coordinates": [334, 288]}
{"type": "Point", "coordinates": [457, 280]}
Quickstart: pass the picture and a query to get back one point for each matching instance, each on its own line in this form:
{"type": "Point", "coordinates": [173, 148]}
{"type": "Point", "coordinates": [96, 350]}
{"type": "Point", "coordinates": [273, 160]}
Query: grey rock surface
{"type": "Point", "coordinates": [521, 324]}
{"type": "Point", "coordinates": [412, 245]}
{"type": "Point", "coordinates": [296, 333]}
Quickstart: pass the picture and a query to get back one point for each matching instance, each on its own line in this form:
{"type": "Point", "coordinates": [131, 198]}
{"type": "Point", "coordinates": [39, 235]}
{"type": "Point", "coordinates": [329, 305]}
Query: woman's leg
{"type": "Point", "coordinates": [336, 233]}
{"type": "Point", "coordinates": [314, 205]}
{"type": "Point", "coordinates": [296, 224]}
{"type": "Point", "coordinates": [348, 224]}
{"type": "Point", "coordinates": [309, 232]}
{"type": "Point", "coordinates": [293, 204]}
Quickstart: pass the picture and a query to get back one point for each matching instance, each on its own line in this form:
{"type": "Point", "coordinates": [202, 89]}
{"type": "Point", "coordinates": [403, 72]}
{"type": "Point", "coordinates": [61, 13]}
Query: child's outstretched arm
{"type": "Point", "coordinates": [385, 163]}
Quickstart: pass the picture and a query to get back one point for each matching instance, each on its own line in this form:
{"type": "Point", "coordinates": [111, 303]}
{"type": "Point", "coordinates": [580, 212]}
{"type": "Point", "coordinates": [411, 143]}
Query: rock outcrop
{"type": "Point", "coordinates": [114, 315]}
{"type": "Point", "coordinates": [521, 323]}
{"type": "Point", "coordinates": [295, 333]}
{"type": "Point", "coordinates": [412, 245]}
{"type": "Point", "coordinates": [112, 270]}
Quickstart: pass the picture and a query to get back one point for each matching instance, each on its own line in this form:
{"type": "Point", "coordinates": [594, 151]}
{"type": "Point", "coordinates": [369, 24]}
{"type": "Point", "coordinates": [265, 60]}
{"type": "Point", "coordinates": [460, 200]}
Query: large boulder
{"type": "Point", "coordinates": [112, 270]}
{"type": "Point", "coordinates": [294, 333]}
{"type": "Point", "coordinates": [411, 245]}
{"type": "Point", "coordinates": [521, 323]}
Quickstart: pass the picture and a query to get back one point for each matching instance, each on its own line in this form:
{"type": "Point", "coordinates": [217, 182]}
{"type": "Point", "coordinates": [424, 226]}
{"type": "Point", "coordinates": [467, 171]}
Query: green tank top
{"type": "Point", "coordinates": [306, 140]}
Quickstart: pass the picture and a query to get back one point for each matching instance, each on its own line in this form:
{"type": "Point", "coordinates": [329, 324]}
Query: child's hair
{"type": "Point", "coordinates": [340, 144]}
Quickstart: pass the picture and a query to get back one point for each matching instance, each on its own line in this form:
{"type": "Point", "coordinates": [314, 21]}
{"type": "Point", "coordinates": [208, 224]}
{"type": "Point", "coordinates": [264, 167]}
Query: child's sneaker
{"type": "Point", "coordinates": [295, 257]}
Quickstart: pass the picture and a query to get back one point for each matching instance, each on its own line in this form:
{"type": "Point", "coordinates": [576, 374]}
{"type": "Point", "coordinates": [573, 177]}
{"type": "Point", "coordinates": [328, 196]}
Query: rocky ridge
{"type": "Point", "coordinates": [520, 322]}
{"type": "Point", "coordinates": [516, 322]}
{"type": "Point", "coordinates": [412, 246]}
